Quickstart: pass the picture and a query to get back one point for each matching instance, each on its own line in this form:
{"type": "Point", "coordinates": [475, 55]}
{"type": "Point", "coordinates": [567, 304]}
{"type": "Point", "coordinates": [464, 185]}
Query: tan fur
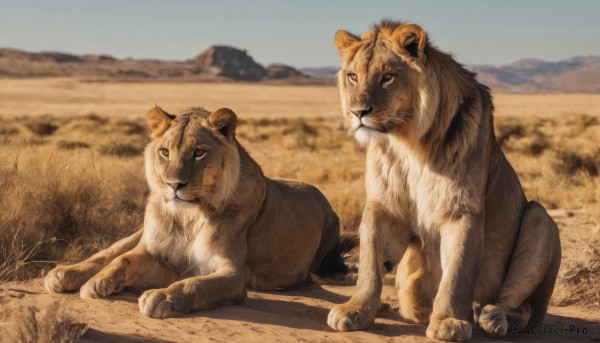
{"type": "Point", "coordinates": [441, 196]}
{"type": "Point", "coordinates": [213, 224]}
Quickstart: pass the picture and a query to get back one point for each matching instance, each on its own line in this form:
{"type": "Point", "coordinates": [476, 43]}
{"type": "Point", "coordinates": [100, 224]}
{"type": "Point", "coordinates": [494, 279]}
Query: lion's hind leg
{"type": "Point", "coordinates": [416, 283]}
{"type": "Point", "coordinates": [72, 277]}
{"type": "Point", "coordinates": [529, 283]}
{"type": "Point", "coordinates": [495, 319]}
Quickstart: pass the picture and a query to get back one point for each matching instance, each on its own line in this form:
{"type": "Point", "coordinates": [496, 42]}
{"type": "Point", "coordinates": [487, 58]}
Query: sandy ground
{"type": "Point", "coordinates": [297, 315]}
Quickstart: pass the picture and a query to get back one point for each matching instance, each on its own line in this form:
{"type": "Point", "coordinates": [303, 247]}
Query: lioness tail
{"type": "Point", "coordinates": [333, 263]}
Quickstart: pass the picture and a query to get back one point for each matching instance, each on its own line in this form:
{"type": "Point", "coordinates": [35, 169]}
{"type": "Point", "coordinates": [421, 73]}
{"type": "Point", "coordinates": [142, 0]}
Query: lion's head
{"type": "Point", "coordinates": [380, 77]}
{"type": "Point", "coordinates": [395, 84]}
{"type": "Point", "coordinates": [193, 157]}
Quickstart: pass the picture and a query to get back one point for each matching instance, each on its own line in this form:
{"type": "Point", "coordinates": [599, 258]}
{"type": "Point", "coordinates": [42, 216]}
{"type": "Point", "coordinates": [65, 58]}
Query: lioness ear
{"type": "Point", "coordinates": [412, 40]}
{"type": "Point", "coordinates": [158, 121]}
{"type": "Point", "coordinates": [344, 39]}
{"type": "Point", "coordinates": [224, 121]}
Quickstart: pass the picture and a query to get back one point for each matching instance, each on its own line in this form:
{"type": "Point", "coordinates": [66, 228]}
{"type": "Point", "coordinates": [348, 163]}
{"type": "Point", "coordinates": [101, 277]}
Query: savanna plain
{"type": "Point", "coordinates": [72, 182]}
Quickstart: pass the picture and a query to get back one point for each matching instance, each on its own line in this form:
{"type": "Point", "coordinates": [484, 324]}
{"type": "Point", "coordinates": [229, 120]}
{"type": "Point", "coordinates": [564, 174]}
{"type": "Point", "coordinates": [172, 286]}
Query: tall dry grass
{"type": "Point", "coordinates": [62, 194]}
{"type": "Point", "coordinates": [71, 185]}
{"type": "Point", "coordinates": [20, 323]}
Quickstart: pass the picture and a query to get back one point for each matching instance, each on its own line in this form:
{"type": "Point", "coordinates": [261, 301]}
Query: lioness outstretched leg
{"type": "Point", "coordinates": [417, 281]}
{"type": "Point", "coordinates": [70, 278]}
{"type": "Point", "coordinates": [379, 240]}
{"type": "Point", "coordinates": [227, 284]}
{"type": "Point", "coordinates": [529, 283]}
{"type": "Point", "coordinates": [136, 268]}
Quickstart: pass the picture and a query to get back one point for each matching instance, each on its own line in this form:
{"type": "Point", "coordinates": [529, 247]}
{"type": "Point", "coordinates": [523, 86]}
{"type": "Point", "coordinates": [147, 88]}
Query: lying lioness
{"type": "Point", "coordinates": [214, 224]}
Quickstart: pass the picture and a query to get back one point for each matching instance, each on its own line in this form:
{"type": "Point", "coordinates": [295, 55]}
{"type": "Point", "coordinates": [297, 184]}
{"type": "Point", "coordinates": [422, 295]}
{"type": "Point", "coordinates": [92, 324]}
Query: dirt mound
{"type": "Point", "coordinates": [282, 71]}
{"type": "Point", "coordinates": [230, 62]}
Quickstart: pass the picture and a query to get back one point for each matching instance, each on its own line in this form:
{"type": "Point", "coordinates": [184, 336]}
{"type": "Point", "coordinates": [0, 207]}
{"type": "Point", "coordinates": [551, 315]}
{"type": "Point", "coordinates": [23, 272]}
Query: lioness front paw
{"type": "Point", "coordinates": [98, 287]}
{"type": "Point", "coordinates": [69, 278]}
{"type": "Point", "coordinates": [352, 317]}
{"type": "Point", "coordinates": [155, 303]}
{"type": "Point", "coordinates": [492, 320]}
{"type": "Point", "coordinates": [449, 329]}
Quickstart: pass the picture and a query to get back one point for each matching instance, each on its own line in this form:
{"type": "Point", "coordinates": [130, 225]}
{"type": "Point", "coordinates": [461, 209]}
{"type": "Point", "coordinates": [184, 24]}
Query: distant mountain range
{"type": "Point", "coordinates": [574, 75]}
{"type": "Point", "coordinates": [224, 63]}
{"type": "Point", "coordinates": [217, 63]}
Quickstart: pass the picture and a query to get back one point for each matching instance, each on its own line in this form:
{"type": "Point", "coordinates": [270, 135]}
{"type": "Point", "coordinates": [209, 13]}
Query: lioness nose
{"type": "Point", "coordinates": [361, 112]}
{"type": "Point", "coordinates": [177, 185]}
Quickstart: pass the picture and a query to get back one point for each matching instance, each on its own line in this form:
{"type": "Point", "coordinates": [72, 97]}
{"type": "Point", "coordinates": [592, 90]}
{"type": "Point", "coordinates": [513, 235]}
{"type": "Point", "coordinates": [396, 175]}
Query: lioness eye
{"type": "Point", "coordinates": [387, 77]}
{"type": "Point", "coordinates": [164, 152]}
{"type": "Point", "coordinates": [353, 77]}
{"type": "Point", "coordinates": [199, 153]}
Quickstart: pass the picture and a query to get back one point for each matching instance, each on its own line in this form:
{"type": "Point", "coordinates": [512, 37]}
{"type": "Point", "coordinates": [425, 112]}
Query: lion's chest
{"type": "Point", "coordinates": [183, 242]}
{"type": "Point", "coordinates": [418, 197]}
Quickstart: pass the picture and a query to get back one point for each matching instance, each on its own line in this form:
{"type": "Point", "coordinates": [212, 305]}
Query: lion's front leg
{"type": "Point", "coordinates": [376, 235]}
{"type": "Point", "coordinates": [136, 268]}
{"type": "Point", "coordinates": [70, 278]}
{"type": "Point", "coordinates": [227, 284]}
{"type": "Point", "coordinates": [461, 250]}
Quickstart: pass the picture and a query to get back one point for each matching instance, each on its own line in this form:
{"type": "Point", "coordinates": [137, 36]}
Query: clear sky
{"type": "Point", "coordinates": [299, 33]}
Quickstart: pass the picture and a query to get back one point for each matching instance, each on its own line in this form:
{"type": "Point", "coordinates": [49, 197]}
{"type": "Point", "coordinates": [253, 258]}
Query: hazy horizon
{"type": "Point", "coordinates": [266, 64]}
{"type": "Point", "coordinates": [300, 35]}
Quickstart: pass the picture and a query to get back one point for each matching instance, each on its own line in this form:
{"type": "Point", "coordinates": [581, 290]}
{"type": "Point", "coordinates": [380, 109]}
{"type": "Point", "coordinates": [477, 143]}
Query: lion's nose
{"type": "Point", "coordinates": [361, 112]}
{"type": "Point", "coordinates": [177, 185]}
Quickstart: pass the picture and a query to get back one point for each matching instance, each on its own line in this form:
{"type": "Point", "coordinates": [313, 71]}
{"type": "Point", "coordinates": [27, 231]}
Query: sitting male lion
{"type": "Point", "coordinates": [441, 197]}
{"type": "Point", "coordinates": [213, 224]}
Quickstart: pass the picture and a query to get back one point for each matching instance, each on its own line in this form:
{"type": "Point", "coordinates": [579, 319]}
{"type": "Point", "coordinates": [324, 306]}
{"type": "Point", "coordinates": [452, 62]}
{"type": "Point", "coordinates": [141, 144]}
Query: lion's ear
{"type": "Point", "coordinates": [344, 39]}
{"type": "Point", "coordinates": [412, 40]}
{"type": "Point", "coordinates": [158, 121]}
{"type": "Point", "coordinates": [224, 121]}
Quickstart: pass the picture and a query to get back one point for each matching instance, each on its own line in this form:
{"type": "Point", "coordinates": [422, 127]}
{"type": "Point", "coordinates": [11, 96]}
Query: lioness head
{"type": "Point", "coordinates": [379, 77]}
{"type": "Point", "coordinates": [193, 157]}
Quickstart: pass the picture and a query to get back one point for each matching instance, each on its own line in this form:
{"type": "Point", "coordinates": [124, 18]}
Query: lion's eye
{"type": "Point", "coordinates": [199, 153]}
{"type": "Point", "coordinates": [164, 152]}
{"type": "Point", "coordinates": [387, 77]}
{"type": "Point", "coordinates": [353, 77]}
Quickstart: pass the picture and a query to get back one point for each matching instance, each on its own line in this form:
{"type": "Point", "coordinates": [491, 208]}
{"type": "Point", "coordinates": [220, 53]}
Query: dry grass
{"type": "Point", "coordinates": [27, 324]}
{"type": "Point", "coordinates": [60, 202]}
{"type": "Point", "coordinates": [71, 184]}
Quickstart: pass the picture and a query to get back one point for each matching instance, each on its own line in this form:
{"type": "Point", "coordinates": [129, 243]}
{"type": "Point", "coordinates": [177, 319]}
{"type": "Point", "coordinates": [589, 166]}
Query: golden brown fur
{"type": "Point", "coordinates": [442, 200]}
{"type": "Point", "coordinates": [213, 224]}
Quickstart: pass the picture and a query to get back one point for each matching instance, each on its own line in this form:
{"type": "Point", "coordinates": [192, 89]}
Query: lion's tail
{"type": "Point", "coordinates": [334, 262]}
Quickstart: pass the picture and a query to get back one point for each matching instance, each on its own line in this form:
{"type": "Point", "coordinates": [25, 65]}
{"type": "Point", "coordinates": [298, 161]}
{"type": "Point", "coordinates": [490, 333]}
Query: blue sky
{"type": "Point", "coordinates": [299, 33]}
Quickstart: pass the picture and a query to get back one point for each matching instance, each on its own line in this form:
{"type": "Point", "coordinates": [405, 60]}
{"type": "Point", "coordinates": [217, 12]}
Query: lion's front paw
{"type": "Point", "coordinates": [69, 278]}
{"type": "Point", "coordinates": [156, 303]}
{"type": "Point", "coordinates": [99, 286]}
{"type": "Point", "coordinates": [492, 320]}
{"type": "Point", "coordinates": [449, 329]}
{"type": "Point", "coordinates": [352, 317]}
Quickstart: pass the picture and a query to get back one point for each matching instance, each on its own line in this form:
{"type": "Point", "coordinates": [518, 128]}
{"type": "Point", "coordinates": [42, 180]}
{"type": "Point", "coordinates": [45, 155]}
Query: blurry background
{"type": "Point", "coordinates": [77, 77]}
